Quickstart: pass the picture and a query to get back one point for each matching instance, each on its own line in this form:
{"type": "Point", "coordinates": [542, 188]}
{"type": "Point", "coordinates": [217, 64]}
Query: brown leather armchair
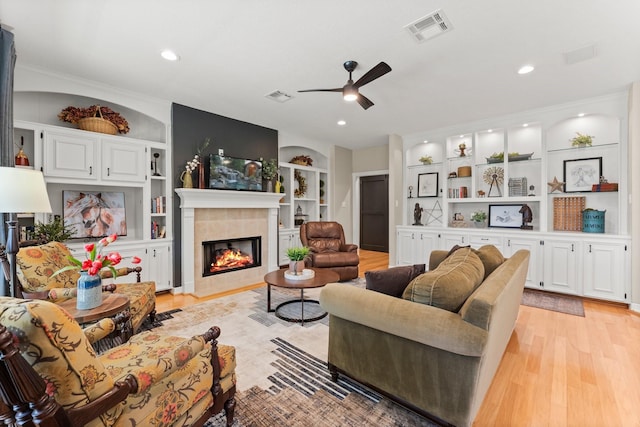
{"type": "Point", "coordinates": [328, 248]}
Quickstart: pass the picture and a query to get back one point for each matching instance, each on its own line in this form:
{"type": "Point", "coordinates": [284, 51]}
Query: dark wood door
{"type": "Point", "coordinates": [374, 213]}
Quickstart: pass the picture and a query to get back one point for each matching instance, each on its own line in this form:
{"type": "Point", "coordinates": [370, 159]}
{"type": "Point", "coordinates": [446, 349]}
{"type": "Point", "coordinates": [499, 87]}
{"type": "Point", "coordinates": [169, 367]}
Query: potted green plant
{"type": "Point", "coordinates": [582, 140]}
{"type": "Point", "coordinates": [296, 256]}
{"type": "Point", "coordinates": [479, 218]}
{"type": "Point", "coordinates": [54, 231]}
{"type": "Point", "coordinates": [269, 172]}
{"type": "Point", "coordinates": [426, 160]}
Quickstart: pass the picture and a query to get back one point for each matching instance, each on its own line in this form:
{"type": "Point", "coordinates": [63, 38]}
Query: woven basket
{"type": "Point", "coordinates": [98, 124]}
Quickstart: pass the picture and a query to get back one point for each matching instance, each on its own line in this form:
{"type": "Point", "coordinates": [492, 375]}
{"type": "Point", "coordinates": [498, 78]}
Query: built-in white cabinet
{"type": "Point", "coordinates": [288, 238]}
{"type": "Point", "coordinates": [81, 155]}
{"type": "Point", "coordinates": [561, 266]}
{"type": "Point", "coordinates": [605, 269]}
{"type": "Point", "coordinates": [414, 246]}
{"type": "Point", "coordinates": [513, 243]}
{"type": "Point", "coordinates": [79, 160]}
{"type": "Point", "coordinates": [158, 257]}
{"type": "Point", "coordinates": [497, 166]}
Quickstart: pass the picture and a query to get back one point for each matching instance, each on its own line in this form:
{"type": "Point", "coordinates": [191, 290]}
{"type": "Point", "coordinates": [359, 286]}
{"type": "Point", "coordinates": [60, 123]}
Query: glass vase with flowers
{"type": "Point", "coordinates": [90, 282]}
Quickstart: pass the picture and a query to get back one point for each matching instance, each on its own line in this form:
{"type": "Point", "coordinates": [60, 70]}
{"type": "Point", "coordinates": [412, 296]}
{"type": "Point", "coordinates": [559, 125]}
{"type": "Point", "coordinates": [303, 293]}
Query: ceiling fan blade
{"type": "Point", "coordinates": [364, 101]}
{"type": "Point", "coordinates": [378, 71]}
{"type": "Point", "coordinates": [339, 89]}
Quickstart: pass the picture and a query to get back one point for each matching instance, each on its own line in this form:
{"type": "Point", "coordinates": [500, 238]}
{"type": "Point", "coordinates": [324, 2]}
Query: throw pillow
{"type": "Point", "coordinates": [394, 280]}
{"type": "Point", "coordinates": [449, 285]}
{"type": "Point", "coordinates": [491, 258]}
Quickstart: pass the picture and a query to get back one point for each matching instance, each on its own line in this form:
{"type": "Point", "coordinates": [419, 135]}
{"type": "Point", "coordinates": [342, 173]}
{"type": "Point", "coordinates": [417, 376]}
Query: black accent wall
{"type": "Point", "coordinates": [190, 127]}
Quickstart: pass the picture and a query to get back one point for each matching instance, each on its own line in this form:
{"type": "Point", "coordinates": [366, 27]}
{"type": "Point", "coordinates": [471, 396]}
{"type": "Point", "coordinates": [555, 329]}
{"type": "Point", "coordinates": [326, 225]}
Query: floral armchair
{"type": "Point", "coordinates": [38, 263]}
{"type": "Point", "coordinates": [50, 374]}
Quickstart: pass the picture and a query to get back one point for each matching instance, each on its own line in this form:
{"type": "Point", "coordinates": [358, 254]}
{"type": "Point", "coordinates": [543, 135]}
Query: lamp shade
{"type": "Point", "coordinates": [23, 190]}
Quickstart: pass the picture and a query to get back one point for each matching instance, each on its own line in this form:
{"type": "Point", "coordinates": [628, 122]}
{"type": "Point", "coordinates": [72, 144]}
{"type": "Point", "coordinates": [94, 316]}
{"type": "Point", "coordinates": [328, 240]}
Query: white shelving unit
{"type": "Point", "coordinates": [536, 151]}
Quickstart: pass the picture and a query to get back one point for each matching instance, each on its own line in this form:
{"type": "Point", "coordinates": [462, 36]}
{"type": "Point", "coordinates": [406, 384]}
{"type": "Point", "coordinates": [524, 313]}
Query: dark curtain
{"type": "Point", "coordinates": [7, 65]}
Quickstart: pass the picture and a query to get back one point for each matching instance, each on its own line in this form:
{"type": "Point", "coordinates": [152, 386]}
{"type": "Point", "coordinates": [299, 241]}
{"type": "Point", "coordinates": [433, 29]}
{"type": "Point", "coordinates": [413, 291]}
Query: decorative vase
{"type": "Point", "coordinates": [187, 181]}
{"type": "Point", "coordinates": [296, 267]}
{"type": "Point", "coordinates": [89, 291]}
{"type": "Point", "coordinates": [479, 224]}
{"type": "Point", "coordinates": [269, 188]}
{"type": "Point", "coordinates": [277, 186]}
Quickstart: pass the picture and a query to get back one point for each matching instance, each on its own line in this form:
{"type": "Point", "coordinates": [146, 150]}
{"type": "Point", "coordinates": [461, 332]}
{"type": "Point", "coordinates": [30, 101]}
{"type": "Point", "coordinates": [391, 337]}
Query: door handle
{"type": "Point", "coordinates": [108, 171]}
{"type": "Point", "coordinates": [90, 170]}
{"type": "Point", "coordinates": [572, 247]}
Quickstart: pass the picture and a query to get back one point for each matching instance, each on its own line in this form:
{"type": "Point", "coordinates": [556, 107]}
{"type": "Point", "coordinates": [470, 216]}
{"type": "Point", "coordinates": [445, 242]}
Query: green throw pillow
{"type": "Point", "coordinates": [491, 258]}
{"type": "Point", "coordinates": [449, 285]}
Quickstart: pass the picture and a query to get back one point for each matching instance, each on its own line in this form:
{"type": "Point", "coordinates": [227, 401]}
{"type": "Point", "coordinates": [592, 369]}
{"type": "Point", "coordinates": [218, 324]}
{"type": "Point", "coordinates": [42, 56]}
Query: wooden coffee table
{"type": "Point", "coordinates": [277, 278]}
{"type": "Point", "coordinates": [112, 304]}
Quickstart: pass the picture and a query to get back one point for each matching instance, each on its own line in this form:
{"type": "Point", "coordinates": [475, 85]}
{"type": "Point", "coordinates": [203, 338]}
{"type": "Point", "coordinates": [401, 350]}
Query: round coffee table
{"type": "Point", "coordinates": [277, 278]}
{"type": "Point", "coordinates": [112, 304]}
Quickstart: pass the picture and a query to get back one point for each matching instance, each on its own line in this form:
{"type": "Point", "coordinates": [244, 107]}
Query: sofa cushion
{"type": "Point", "coordinates": [491, 258]}
{"type": "Point", "coordinates": [393, 281]}
{"type": "Point", "coordinates": [449, 285]}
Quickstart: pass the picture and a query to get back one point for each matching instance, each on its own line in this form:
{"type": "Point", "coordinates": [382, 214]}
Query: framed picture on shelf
{"type": "Point", "coordinates": [428, 184]}
{"type": "Point", "coordinates": [505, 216]}
{"type": "Point", "coordinates": [581, 174]}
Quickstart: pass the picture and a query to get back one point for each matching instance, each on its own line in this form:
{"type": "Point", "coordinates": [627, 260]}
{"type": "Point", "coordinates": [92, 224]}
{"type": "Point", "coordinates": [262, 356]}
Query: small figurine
{"type": "Point", "coordinates": [417, 214]}
{"type": "Point", "coordinates": [462, 147]}
{"type": "Point", "coordinates": [481, 193]}
{"type": "Point", "coordinates": [410, 190]}
{"type": "Point", "coordinates": [531, 190]}
{"type": "Point", "coordinates": [527, 217]}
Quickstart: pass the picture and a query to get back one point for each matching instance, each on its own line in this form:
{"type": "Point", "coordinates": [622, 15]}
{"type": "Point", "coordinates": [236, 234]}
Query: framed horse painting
{"type": "Point", "coordinates": [94, 214]}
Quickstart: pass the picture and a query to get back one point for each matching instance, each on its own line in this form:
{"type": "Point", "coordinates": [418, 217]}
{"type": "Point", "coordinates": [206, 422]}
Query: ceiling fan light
{"type": "Point", "coordinates": [350, 94]}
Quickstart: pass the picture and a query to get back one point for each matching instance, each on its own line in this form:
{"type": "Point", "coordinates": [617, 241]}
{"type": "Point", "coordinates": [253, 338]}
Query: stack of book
{"type": "Point", "coordinates": [158, 205]}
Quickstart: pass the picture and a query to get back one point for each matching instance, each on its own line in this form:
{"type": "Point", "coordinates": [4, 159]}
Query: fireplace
{"type": "Point", "coordinates": [223, 256]}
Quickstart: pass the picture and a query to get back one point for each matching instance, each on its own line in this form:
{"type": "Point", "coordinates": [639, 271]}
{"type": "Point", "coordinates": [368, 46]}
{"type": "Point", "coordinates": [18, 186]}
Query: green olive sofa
{"type": "Point", "coordinates": [437, 362]}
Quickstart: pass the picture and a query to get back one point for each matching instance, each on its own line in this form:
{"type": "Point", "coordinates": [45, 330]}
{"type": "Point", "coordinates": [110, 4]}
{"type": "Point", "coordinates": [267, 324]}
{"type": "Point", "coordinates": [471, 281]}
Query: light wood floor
{"type": "Point", "coordinates": [558, 369]}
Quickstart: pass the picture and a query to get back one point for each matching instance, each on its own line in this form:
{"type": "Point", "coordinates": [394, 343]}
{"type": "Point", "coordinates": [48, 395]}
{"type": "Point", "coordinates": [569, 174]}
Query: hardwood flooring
{"type": "Point", "coordinates": [558, 369]}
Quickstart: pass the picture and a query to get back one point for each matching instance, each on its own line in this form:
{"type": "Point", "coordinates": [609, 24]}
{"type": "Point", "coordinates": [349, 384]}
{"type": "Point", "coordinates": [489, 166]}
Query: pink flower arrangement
{"type": "Point", "coordinates": [95, 261]}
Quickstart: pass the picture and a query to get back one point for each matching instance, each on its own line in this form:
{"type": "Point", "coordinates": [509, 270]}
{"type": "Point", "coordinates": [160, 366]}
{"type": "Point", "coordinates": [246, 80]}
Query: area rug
{"type": "Point", "coordinates": [549, 301]}
{"type": "Point", "coordinates": [282, 374]}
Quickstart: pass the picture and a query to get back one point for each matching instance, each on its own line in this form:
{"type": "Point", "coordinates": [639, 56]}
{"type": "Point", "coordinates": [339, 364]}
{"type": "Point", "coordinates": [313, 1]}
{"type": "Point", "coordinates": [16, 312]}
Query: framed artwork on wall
{"type": "Point", "coordinates": [505, 216]}
{"type": "Point", "coordinates": [581, 174]}
{"type": "Point", "coordinates": [428, 184]}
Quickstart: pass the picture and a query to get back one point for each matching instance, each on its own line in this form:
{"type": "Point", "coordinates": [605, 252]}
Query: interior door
{"type": "Point", "coordinates": [374, 213]}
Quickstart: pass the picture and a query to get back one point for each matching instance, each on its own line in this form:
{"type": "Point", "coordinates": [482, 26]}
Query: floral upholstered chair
{"type": "Point", "coordinates": [38, 263]}
{"type": "Point", "coordinates": [56, 378]}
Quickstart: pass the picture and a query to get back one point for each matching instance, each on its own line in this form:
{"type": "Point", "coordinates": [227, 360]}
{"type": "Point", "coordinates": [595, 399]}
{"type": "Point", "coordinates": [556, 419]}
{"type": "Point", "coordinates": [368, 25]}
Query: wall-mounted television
{"type": "Point", "coordinates": [232, 173]}
{"type": "Point", "coordinates": [94, 214]}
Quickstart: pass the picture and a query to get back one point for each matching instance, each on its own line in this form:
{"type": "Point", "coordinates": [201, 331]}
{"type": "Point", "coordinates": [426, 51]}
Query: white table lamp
{"type": "Point", "coordinates": [21, 191]}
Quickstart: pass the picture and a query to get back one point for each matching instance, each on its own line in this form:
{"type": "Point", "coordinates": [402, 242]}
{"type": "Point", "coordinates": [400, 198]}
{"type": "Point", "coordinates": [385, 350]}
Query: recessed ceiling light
{"type": "Point", "coordinates": [524, 125]}
{"type": "Point", "coordinates": [425, 141]}
{"type": "Point", "coordinates": [525, 69]}
{"type": "Point", "coordinates": [490, 130]}
{"type": "Point", "coordinates": [341, 123]}
{"type": "Point", "coordinates": [581, 115]}
{"type": "Point", "coordinates": [169, 55]}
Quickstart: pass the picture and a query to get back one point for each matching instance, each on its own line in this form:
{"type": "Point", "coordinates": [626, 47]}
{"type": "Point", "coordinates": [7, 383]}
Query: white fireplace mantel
{"type": "Point", "coordinates": [192, 199]}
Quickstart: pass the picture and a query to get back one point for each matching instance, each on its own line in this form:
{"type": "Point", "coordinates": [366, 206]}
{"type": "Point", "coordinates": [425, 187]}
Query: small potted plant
{"type": "Point", "coordinates": [426, 160]}
{"type": "Point", "coordinates": [582, 140]}
{"type": "Point", "coordinates": [54, 231]}
{"type": "Point", "coordinates": [479, 218]}
{"type": "Point", "coordinates": [269, 172]}
{"type": "Point", "coordinates": [296, 256]}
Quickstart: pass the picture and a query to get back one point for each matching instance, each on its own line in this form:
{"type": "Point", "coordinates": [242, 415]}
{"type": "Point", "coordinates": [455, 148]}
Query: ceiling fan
{"type": "Point", "coordinates": [350, 90]}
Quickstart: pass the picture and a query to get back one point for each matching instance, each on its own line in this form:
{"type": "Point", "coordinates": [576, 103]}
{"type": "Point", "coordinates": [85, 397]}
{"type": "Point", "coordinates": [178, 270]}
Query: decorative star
{"type": "Point", "coordinates": [555, 185]}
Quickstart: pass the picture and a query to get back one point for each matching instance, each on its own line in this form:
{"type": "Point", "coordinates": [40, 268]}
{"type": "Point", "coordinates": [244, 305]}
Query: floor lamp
{"type": "Point", "coordinates": [21, 190]}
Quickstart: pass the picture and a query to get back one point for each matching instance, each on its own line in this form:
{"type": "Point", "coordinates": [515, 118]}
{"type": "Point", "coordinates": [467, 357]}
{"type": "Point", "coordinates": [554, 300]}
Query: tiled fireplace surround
{"type": "Point", "coordinates": [222, 214]}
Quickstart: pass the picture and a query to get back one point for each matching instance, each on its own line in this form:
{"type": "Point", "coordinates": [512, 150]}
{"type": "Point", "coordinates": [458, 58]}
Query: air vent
{"type": "Point", "coordinates": [279, 96]}
{"type": "Point", "coordinates": [579, 55]}
{"type": "Point", "coordinates": [429, 26]}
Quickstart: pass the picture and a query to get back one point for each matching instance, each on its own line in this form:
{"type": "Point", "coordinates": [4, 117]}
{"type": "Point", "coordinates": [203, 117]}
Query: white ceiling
{"type": "Point", "coordinates": [234, 52]}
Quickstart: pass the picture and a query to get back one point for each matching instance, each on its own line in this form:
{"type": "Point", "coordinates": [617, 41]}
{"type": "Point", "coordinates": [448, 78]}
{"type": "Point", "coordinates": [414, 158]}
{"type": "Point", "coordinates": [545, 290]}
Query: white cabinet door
{"type": "Point", "coordinates": [414, 247]}
{"type": "Point", "coordinates": [287, 239]}
{"type": "Point", "coordinates": [560, 266]}
{"type": "Point", "coordinates": [122, 161]}
{"type": "Point", "coordinates": [70, 156]}
{"type": "Point", "coordinates": [449, 240]}
{"type": "Point", "coordinates": [513, 244]}
{"type": "Point", "coordinates": [605, 270]}
{"type": "Point", "coordinates": [477, 242]}
{"type": "Point", "coordinates": [158, 266]}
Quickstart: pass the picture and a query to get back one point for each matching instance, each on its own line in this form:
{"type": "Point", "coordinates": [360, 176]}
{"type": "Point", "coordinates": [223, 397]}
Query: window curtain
{"type": "Point", "coordinates": [7, 65]}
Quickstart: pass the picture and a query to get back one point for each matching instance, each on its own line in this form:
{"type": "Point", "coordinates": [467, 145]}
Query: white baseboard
{"type": "Point", "coordinates": [634, 307]}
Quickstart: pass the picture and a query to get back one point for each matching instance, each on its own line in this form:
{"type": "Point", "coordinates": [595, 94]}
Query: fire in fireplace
{"type": "Point", "coordinates": [222, 256]}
